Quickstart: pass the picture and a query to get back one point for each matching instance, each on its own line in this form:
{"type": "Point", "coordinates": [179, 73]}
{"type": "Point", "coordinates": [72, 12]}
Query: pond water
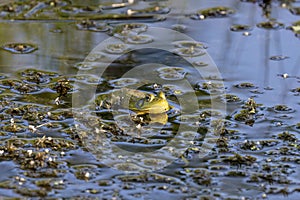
{"type": "Point", "coordinates": [229, 71]}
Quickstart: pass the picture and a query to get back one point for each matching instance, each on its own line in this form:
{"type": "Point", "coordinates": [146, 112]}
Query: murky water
{"type": "Point", "coordinates": [232, 131]}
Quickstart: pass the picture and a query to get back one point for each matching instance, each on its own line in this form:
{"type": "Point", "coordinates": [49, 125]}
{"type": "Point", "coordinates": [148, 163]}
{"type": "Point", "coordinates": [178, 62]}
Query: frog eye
{"type": "Point", "coordinates": [149, 97]}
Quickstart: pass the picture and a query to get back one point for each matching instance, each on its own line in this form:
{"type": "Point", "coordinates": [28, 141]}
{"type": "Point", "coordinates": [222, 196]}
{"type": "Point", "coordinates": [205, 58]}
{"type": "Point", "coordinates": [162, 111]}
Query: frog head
{"type": "Point", "coordinates": [150, 104]}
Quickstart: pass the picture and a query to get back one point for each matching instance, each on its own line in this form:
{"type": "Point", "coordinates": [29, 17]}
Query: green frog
{"type": "Point", "coordinates": [150, 104]}
{"type": "Point", "coordinates": [137, 101]}
{"type": "Point", "coordinates": [144, 102]}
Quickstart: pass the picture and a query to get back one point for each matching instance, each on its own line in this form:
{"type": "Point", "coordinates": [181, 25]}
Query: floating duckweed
{"type": "Point", "coordinates": [14, 128]}
{"type": "Point", "coordinates": [295, 10]}
{"type": "Point", "coordinates": [286, 136]}
{"type": "Point", "coordinates": [210, 87]}
{"type": "Point", "coordinates": [189, 44]}
{"type": "Point", "coordinates": [278, 58]}
{"type": "Point", "coordinates": [32, 192]}
{"type": "Point", "coordinates": [19, 48]}
{"type": "Point", "coordinates": [222, 144]}
{"type": "Point", "coordinates": [200, 64]}
{"type": "Point", "coordinates": [172, 73]}
{"type": "Point", "coordinates": [246, 117]}
{"type": "Point", "coordinates": [83, 174]}
{"type": "Point", "coordinates": [92, 26]}
{"type": "Point", "coordinates": [283, 108]}
{"type": "Point", "coordinates": [127, 167]}
{"type": "Point", "coordinates": [116, 48]}
{"type": "Point", "coordinates": [89, 79]}
{"type": "Point", "coordinates": [202, 177]}
{"type": "Point", "coordinates": [170, 70]}
{"type": "Point", "coordinates": [153, 162]}
{"type": "Point", "coordinates": [123, 30]}
{"type": "Point", "coordinates": [19, 86]}
{"type": "Point", "coordinates": [149, 10]}
{"type": "Point", "coordinates": [245, 85]}
{"type": "Point", "coordinates": [38, 76]}
{"type": "Point", "coordinates": [25, 88]}
{"type": "Point", "coordinates": [209, 113]}
{"type": "Point", "coordinates": [214, 12]}
{"type": "Point", "coordinates": [138, 39]}
{"type": "Point", "coordinates": [173, 76]}
{"type": "Point", "coordinates": [236, 173]}
{"type": "Point", "coordinates": [59, 115]}
{"type": "Point", "coordinates": [62, 87]}
{"type": "Point", "coordinates": [84, 65]}
{"type": "Point", "coordinates": [272, 25]}
{"type": "Point", "coordinates": [240, 160]}
{"type": "Point", "coordinates": [296, 91]}
{"type": "Point", "coordinates": [187, 119]}
{"type": "Point", "coordinates": [251, 145]}
{"type": "Point", "coordinates": [53, 143]}
{"type": "Point", "coordinates": [240, 27]}
{"type": "Point", "coordinates": [295, 28]}
{"type": "Point", "coordinates": [105, 182]}
{"type": "Point", "coordinates": [151, 177]}
{"type": "Point", "coordinates": [179, 27]}
{"type": "Point", "coordinates": [45, 183]}
{"type": "Point", "coordinates": [123, 82]}
{"type": "Point", "coordinates": [8, 83]}
{"type": "Point", "coordinates": [9, 9]}
{"type": "Point", "coordinates": [172, 90]}
{"type": "Point", "coordinates": [93, 191]}
{"type": "Point", "coordinates": [189, 51]}
{"type": "Point", "coordinates": [78, 11]}
{"type": "Point", "coordinates": [232, 98]}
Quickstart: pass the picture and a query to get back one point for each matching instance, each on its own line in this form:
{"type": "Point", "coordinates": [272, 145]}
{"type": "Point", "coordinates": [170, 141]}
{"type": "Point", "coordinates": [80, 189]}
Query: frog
{"type": "Point", "coordinates": [140, 102]}
{"type": "Point", "coordinates": [149, 103]}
